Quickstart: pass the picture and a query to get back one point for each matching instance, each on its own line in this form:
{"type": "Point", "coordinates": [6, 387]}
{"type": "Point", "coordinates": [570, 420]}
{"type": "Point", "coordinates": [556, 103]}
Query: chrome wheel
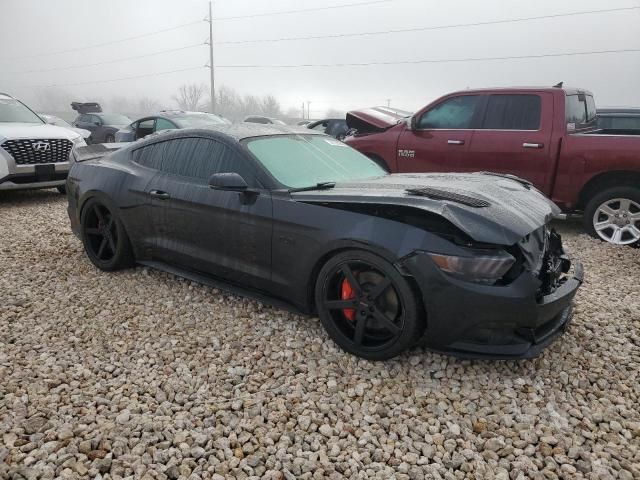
{"type": "Point", "coordinates": [617, 221]}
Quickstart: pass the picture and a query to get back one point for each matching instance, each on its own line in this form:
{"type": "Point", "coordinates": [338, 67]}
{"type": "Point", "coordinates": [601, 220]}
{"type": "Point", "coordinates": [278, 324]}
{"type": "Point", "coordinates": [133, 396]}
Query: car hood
{"type": "Point", "coordinates": [375, 118]}
{"type": "Point", "coordinates": [511, 209]}
{"type": "Point", "coordinates": [34, 131]}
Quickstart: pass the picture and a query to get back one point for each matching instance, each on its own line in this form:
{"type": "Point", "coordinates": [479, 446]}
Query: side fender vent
{"type": "Point", "coordinates": [438, 194]}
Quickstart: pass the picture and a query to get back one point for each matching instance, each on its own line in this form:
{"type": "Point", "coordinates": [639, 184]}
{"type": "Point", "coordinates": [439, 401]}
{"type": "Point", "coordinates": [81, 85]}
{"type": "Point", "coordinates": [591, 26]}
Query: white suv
{"type": "Point", "coordinates": [33, 154]}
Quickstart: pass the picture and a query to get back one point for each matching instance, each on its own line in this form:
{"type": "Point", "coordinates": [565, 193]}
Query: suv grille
{"type": "Point", "coordinates": [32, 152]}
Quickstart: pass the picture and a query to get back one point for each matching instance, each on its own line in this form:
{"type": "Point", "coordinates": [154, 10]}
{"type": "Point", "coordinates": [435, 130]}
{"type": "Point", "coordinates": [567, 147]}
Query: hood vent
{"type": "Point", "coordinates": [438, 194]}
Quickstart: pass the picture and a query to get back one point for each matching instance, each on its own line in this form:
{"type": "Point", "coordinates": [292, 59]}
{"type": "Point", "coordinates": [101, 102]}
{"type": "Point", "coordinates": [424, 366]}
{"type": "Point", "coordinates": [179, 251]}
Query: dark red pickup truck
{"type": "Point", "coordinates": [547, 136]}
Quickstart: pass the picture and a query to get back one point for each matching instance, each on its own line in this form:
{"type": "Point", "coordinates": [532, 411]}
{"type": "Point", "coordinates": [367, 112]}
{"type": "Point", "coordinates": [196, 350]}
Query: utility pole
{"type": "Point", "coordinates": [308, 111]}
{"type": "Point", "coordinates": [303, 117]}
{"type": "Point", "coordinates": [212, 84]}
{"type": "Point", "coordinates": [388, 102]}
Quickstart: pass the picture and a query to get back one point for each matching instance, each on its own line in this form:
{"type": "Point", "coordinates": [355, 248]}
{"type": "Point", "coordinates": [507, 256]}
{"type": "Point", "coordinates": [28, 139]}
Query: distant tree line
{"type": "Point", "coordinates": [192, 97]}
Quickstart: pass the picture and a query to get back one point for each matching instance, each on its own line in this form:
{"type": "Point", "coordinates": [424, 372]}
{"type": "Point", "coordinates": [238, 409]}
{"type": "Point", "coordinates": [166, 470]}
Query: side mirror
{"type": "Point", "coordinates": [228, 181]}
{"type": "Point", "coordinates": [412, 122]}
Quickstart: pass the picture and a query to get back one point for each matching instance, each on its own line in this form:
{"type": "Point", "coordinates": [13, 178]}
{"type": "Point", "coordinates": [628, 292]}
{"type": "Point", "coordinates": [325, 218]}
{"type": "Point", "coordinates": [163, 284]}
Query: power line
{"type": "Point", "coordinates": [422, 29]}
{"type": "Point", "coordinates": [447, 60]}
{"type": "Point", "coordinates": [316, 9]}
{"type": "Point", "coordinates": [154, 74]}
{"type": "Point", "coordinates": [96, 45]}
{"type": "Point", "coordinates": [109, 61]}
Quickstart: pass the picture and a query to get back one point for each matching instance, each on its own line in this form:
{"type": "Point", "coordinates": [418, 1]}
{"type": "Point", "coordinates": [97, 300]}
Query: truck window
{"type": "Point", "coordinates": [453, 114]}
{"type": "Point", "coordinates": [580, 111]}
{"type": "Point", "coordinates": [512, 112]}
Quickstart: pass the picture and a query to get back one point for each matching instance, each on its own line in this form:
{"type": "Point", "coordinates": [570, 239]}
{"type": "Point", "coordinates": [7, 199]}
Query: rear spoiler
{"type": "Point", "coordinates": [99, 150]}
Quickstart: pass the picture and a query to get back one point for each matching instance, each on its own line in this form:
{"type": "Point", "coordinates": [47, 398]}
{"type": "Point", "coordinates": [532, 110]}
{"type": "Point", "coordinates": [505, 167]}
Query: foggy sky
{"type": "Point", "coordinates": [36, 27]}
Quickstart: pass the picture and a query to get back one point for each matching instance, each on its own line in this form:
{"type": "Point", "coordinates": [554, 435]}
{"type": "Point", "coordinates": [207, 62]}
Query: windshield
{"type": "Point", "coordinates": [199, 120]}
{"type": "Point", "coordinates": [114, 119]}
{"type": "Point", "coordinates": [14, 111]}
{"type": "Point", "coordinates": [299, 161]}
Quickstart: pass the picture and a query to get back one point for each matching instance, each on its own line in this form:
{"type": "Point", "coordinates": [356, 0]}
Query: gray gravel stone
{"type": "Point", "coordinates": [139, 374]}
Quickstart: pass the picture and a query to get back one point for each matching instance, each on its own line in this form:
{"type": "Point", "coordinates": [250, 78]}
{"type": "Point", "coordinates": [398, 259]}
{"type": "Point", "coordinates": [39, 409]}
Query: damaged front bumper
{"type": "Point", "coordinates": [491, 321]}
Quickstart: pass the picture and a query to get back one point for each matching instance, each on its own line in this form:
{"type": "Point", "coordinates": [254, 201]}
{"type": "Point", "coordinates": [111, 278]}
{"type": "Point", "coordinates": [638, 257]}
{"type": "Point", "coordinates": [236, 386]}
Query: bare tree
{"type": "Point", "coordinates": [189, 97]}
{"type": "Point", "coordinates": [270, 106]}
{"type": "Point", "coordinates": [147, 106]}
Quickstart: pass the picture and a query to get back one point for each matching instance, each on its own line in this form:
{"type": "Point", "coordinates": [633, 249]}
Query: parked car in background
{"type": "Point", "coordinates": [53, 120]}
{"type": "Point", "coordinates": [299, 218]}
{"type": "Point", "coordinates": [103, 126]}
{"type": "Point", "coordinates": [33, 154]}
{"type": "Point", "coordinates": [619, 120]}
{"type": "Point", "coordinates": [303, 123]}
{"type": "Point", "coordinates": [335, 127]}
{"type": "Point", "coordinates": [167, 120]}
{"type": "Point", "coordinates": [263, 120]}
{"type": "Point", "coordinates": [547, 136]}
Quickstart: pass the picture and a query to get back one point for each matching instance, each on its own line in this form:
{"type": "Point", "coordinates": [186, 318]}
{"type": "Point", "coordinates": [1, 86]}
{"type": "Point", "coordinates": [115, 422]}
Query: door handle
{"type": "Point", "coordinates": [532, 145]}
{"type": "Point", "coordinates": [159, 194]}
{"type": "Point", "coordinates": [455, 142]}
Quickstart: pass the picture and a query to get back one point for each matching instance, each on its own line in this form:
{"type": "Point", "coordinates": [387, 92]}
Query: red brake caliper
{"type": "Point", "coordinates": [348, 294]}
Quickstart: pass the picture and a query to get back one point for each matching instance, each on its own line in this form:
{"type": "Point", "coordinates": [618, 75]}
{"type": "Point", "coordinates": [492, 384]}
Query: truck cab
{"type": "Point", "coordinates": [548, 136]}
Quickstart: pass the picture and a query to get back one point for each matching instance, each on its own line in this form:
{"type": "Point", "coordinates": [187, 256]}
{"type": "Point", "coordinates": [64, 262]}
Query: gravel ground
{"type": "Point", "coordinates": [140, 374]}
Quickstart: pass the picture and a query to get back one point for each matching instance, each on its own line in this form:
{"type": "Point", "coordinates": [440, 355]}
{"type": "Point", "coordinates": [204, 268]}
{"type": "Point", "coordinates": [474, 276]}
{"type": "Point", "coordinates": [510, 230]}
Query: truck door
{"type": "Point", "coordinates": [514, 137]}
{"type": "Point", "coordinates": [439, 137]}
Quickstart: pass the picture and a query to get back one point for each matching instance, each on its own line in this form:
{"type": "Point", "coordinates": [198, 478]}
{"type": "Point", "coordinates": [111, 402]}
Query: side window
{"type": "Point", "coordinates": [164, 124]}
{"type": "Point", "coordinates": [84, 118]}
{"type": "Point", "coordinates": [200, 158]}
{"type": "Point", "coordinates": [150, 156]}
{"type": "Point", "coordinates": [454, 113]}
{"type": "Point", "coordinates": [513, 112]}
{"type": "Point", "coordinates": [95, 120]}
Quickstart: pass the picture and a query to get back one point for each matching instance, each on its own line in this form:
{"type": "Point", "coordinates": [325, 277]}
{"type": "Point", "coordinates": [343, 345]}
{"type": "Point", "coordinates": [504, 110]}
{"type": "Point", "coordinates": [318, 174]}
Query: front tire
{"type": "Point", "coordinates": [366, 306]}
{"type": "Point", "coordinates": [614, 216]}
{"type": "Point", "coordinates": [104, 238]}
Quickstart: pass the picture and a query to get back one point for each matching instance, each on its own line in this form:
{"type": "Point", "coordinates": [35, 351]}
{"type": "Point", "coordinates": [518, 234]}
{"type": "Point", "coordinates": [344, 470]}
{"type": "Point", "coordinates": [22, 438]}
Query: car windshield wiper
{"type": "Point", "coordinates": [317, 186]}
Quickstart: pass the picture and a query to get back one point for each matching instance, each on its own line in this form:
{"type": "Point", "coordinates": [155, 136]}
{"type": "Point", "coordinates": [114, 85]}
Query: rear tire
{"type": "Point", "coordinates": [104, 237]}
{"type": "Point", "coordinates": [613, 216]}
{"type": "Point", "coordinates": [367, 307]}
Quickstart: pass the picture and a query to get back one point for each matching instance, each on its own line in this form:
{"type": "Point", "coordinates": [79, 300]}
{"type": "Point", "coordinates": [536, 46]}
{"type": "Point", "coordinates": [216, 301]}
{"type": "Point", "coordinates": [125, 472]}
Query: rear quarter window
{"type": "Point", "coordinates": [512, 112]}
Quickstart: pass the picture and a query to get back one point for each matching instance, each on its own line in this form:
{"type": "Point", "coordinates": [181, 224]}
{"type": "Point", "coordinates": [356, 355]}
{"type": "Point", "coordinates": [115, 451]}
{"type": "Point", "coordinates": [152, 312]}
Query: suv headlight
{"type": "Point", "coordinates": [79, 142]}
{"type": "Point", "coordinates": [481, 268]}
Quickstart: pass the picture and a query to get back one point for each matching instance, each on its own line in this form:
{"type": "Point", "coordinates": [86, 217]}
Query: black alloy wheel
{"type": "Point", "coordinates": [366, 306]}
{"type": "Point", "coordinates": [104, 238]}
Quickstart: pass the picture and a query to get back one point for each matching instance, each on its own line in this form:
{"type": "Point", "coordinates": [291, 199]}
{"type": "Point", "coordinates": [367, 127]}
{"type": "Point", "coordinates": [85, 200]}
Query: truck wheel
{"type": "Point", "coordinates": [614, 216]}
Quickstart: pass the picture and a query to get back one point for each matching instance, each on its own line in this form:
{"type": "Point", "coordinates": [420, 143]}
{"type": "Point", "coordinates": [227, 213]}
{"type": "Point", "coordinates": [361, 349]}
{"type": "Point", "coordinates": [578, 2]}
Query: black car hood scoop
{"type": "Point", "coordinates": [488, 208]}
{"type": "Point", "coordinates": [439, 194]}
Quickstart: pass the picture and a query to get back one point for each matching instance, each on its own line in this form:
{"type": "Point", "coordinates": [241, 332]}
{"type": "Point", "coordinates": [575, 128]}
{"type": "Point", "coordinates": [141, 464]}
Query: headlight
{"type": "Point", "coordinates": [79, 142]}
{"type": "Point", "coordinates": [481, 268]}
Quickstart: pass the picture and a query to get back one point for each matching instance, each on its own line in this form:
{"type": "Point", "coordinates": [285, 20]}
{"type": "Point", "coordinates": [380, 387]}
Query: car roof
{"type": "Point", "coordinates": [567, 90]}
{"type": "Point", "coordinates": [618, 111]}
{"type": "Point", "coordinates": [237, 131]}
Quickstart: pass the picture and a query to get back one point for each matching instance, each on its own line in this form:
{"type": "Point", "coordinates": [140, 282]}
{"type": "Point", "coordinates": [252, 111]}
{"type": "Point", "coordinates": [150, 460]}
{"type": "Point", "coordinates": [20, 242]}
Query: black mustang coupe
{"type": "Point", "coordinates": [461, 263]}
